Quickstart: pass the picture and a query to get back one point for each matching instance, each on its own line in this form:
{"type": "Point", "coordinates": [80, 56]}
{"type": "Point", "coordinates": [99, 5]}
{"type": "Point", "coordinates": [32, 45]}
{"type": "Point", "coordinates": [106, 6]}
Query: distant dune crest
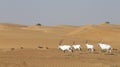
{"type": "Point", "coordinates": [35, 28]}
{"type": "Point", "coordinates": [10, 26]}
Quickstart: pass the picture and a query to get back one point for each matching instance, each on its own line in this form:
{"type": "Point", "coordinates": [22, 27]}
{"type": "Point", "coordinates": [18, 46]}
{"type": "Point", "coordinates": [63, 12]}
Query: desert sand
{"type": "Point", "coordinates": [37, 46]}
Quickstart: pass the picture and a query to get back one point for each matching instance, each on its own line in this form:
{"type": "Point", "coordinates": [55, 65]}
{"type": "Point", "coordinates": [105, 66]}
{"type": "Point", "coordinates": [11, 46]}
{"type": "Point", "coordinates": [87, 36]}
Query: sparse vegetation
{"type": "Point", "coordinates": [107, 22]}
{"type": "Point", "coordinates": [40, 47]}
{"type": "Point", "coordinates": [39, 24]}
{"type": "Point", "coordinates": [12, 49]}
{"type": "Point", "coordinates": [21, 48]}
{"type": "Point", "coordinates": [47, 48]}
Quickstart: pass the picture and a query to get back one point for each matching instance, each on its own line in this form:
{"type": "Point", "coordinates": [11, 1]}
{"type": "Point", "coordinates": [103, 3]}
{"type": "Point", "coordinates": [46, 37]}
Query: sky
{"type": "Point", "coordinates": [59, 12]}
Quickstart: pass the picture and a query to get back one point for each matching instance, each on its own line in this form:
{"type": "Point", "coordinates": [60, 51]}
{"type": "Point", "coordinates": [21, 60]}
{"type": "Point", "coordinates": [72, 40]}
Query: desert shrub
{"type": "Point", "coordinates": [12, 49]}
{"type": "Point", "coordinates": [47, 48]}
{"type": "Point", "coordinates": [39, 24]}
{"type": "Point", "coordinates": [107, 22]}
{"type": "Point", "coordinates": [21, 48]}
{"type": "Point", "coordinates": [40, 47]}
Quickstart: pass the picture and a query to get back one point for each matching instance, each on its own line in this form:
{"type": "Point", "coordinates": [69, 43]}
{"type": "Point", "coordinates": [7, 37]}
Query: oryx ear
{"type": "Point", "coordinates": [61, 41]}
{"type": "Point", "coordinates": [86, 41]}
{"type": "Point", "coordinates": [99, 41]}
{"type": "Point", "coordinates": [73, 42]}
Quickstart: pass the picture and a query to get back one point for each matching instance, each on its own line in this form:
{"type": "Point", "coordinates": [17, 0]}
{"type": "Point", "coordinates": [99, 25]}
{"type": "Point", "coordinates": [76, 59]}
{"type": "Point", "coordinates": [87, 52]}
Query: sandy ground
{"type": "Point", "coordinates": [55, 58]}
{"type": "Point", "coordinates": [19, 45]}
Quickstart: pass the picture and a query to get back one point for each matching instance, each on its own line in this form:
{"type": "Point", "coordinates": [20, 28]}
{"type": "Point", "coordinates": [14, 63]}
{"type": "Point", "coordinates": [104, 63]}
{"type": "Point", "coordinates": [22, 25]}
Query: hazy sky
{"type": "Point", "coordinates": [54, 12]}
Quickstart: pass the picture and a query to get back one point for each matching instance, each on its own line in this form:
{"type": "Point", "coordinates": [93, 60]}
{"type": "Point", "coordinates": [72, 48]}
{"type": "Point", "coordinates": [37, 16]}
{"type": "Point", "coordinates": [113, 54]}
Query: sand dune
{"type": "Point", "coordinates": [9, 26]}
{"type": "Point", "coordinates": [97, 32]}
{"type": "Point", "coordinates": [31, 37]}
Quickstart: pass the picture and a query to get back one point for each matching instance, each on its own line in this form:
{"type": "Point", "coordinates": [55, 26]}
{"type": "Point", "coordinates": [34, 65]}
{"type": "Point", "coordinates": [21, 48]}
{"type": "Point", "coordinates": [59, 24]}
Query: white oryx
{"type": "Point", "coordinates": [65, 47]}
{"type": "Point", "coordinates": [106, 47]}
{"type": "Point", "coordinates": [76, 46]}
{"type": "Point", "coordinates": [89, 46]}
